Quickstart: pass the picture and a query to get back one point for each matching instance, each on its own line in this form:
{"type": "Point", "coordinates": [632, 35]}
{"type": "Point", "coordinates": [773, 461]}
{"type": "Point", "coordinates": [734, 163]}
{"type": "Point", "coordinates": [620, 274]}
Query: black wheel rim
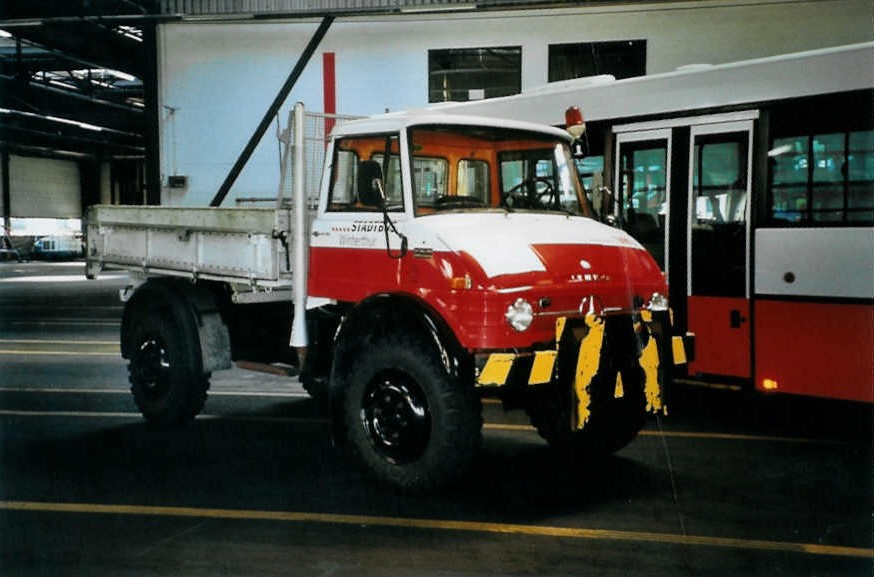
{"type": "Point", "coordinates": [396, 417]}
{"type": "Point", "coordinates": [152, 366]}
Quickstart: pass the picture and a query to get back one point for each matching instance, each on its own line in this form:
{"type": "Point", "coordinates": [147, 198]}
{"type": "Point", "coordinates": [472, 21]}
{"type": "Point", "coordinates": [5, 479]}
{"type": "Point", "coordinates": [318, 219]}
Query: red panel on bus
{"type": "Point", "coordinates": [720, 348]}
{"type": "Point", "coordinates": [817, 349]}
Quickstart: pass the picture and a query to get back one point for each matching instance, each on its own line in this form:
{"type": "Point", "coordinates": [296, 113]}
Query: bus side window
{"type": "Point", "coordinates": [860, 176]}
{"type": "Point", "coordinates": [789, 165]}
{"type": "Point", "coordinates": [823, 178]}
{"type": "Point", "coordinates": [827, 187]}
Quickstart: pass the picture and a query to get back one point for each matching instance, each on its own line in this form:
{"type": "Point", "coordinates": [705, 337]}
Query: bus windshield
{"type": "Point", "coordinates": [471, 168]}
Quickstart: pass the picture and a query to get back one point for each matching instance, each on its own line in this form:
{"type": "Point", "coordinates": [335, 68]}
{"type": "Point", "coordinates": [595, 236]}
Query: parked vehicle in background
{"type": "Point", "coordinates": [58, 247]}
{"type": "Point", "coordinates": [752, 184]}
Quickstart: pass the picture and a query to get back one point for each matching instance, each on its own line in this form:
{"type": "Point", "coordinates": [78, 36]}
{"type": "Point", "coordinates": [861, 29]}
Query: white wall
{"type": "Point", "coordinates": [220, 78]}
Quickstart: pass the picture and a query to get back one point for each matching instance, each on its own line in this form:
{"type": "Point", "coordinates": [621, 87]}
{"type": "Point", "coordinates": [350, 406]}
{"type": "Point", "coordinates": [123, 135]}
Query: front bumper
{"type": "Point", "coordinates": [590, 355]}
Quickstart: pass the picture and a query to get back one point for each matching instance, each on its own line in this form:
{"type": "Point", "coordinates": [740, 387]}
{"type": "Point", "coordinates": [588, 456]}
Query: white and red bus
{"type": "Point", "coordinates": [752, 184]}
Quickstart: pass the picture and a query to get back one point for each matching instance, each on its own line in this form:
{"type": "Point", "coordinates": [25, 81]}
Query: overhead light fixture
{"type": "Point", "coordinates": [216, 17]}
{"type": "Point", "coordinates": [60, 84]}
{"type": "Point", "coordinates": [120, 75]}
{"type": "Point", "coordinates": [5, 34]}
{"type": "Point", "coordinates": [83, 125]}
{"type": "Point", "coordinates": [432, 8]}
{"type": "Point", "coordinates": [130, 32]}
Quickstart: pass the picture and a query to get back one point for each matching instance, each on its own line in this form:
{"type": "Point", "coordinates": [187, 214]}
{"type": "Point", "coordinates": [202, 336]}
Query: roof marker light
{"type": "Point", "coordinates": [574, 122]}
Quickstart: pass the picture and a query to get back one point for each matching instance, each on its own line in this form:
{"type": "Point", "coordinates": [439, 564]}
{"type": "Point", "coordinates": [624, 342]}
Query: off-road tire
{"type": "Point", "coordinates": [164, 368]}
{"type": "Point", "coordinates": [407, 421]}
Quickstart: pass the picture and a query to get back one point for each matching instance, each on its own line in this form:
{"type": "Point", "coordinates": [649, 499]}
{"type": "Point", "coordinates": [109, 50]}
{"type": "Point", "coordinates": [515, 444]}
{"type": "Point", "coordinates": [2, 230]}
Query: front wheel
{"type": "Point", "coordinates": [412, 426]}
{"type": "Point", "coordinates": [614, 421]}
{"type": "Point", "coordinates": [164, 369]}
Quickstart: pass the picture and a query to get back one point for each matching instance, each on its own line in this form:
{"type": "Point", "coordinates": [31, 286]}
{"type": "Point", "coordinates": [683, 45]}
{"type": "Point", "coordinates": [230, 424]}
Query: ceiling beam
{"type": "Point", "coordinates": [73, 9]}
{"type": "Point", "coordinates": [35, 98]}
{"type": "Point", "coordinates": [23, 132]}
{"type": "Point", "coordinates": [88, 43]}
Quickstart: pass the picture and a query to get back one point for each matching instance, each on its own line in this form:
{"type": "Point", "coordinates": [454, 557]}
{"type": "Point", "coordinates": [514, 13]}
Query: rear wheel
{"type": "Point", "coordinates": [410, 424]}
{"type": "Point", "coordinates": [165, 368]}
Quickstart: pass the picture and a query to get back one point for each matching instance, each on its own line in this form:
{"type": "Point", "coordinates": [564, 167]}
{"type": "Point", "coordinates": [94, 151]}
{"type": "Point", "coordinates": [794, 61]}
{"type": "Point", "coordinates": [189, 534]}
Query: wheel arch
{"type": "Point", "coordinates": [196, 308]}
{"type": "Point", "coordinates": [384, 314]}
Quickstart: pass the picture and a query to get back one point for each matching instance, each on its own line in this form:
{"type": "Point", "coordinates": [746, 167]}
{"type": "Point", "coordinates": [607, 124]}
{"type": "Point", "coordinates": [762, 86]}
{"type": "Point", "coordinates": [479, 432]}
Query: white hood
{"type": "Point", "coordinates": [502, 242]}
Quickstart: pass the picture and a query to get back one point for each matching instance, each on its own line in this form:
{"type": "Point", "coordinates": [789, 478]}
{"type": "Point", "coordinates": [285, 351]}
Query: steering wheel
{"type": "Point", "coordinates": [534, 192]}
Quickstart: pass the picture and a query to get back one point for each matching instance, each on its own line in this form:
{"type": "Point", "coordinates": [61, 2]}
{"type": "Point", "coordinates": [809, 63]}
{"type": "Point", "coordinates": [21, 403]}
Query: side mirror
{"type": "Point", "coordinates": [370, 190]}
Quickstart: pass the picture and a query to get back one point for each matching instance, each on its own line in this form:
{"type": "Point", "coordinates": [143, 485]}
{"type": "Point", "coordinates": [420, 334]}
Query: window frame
{"type": "Point", "coordinates": [350, 207]}
{"type": "Point", "coordinates": [598, 51]}
{"type": "Point", "coordinates": [435, 73]}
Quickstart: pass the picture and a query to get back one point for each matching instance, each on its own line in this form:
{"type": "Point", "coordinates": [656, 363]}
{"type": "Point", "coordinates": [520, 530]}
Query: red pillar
{"type": "Point", "coordinates": [329, 90]}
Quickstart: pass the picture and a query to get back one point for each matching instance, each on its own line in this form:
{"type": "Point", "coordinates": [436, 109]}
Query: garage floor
{"type": "Point", "coordinates": [722, 486]}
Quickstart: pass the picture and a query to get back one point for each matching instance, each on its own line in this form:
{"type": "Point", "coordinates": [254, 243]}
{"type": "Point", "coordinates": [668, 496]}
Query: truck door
{"type": "Point", "coordinates": [349, 257]}
{"type": "Point", "coordinates": [718, 281]}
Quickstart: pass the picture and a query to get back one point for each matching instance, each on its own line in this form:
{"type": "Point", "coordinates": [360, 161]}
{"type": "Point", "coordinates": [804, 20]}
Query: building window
{"type": "Point", "coordinates": [461, 74]}
{"type": "Point", "coordinates": [622, 59]}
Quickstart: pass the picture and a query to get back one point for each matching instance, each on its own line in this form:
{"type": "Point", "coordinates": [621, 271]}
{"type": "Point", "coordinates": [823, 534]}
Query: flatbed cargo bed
{"type": "Point", "coordinates": [249, 246]}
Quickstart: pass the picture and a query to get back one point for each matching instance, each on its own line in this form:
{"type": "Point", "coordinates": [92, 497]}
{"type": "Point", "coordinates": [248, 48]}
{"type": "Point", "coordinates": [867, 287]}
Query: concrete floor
{"type": "Point", "coordinates": [722, 486]}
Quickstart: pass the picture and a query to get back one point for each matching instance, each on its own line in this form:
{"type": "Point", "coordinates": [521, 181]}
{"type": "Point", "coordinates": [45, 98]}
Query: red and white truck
{"type": "Point", "coordinates": [451, 258]}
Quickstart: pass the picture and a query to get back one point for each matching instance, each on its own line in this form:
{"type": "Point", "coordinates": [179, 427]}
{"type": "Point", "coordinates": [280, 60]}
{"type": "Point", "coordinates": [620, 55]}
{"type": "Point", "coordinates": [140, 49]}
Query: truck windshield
{"type": "Point", "coordinates": [470, 168]}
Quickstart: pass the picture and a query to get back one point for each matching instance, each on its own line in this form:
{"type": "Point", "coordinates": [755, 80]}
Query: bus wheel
{"type": "Point", "coordinates": [166, 381]}
{"type": "Point", "coordinates": [409, 424]}
{"type": "Point", "coordinates": [613, 422]}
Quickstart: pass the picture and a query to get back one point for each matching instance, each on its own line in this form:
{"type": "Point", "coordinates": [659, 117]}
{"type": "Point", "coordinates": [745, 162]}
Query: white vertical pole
{"type": "Point", "coordinates": [299, 238]}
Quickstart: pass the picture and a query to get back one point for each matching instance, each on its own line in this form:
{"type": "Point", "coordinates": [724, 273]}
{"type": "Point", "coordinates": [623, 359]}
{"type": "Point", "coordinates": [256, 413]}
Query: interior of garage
{"type": "Point", "coordinates": [183, 104]}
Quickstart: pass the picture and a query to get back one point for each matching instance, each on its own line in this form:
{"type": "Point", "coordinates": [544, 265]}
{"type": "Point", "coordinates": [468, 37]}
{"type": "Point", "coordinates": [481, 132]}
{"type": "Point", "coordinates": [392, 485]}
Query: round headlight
{"type": "Point", "coordinates": [658, 302]}
{"type": "Point", "coordinates": [520, 314]}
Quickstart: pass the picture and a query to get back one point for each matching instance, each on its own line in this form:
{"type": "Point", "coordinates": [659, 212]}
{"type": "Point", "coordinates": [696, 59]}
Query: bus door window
{"type": "Point", "coordinates": [719, 189]}
{"type": "Point", "coordinates": [643, 193]}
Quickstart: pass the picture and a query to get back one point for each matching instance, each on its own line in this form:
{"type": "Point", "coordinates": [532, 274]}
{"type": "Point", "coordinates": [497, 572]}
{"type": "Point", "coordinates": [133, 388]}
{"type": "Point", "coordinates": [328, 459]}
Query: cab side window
{"type": "Point", "coordinates": [344, 190]}
{"type": "Point", "coordinates": [349, 154]}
